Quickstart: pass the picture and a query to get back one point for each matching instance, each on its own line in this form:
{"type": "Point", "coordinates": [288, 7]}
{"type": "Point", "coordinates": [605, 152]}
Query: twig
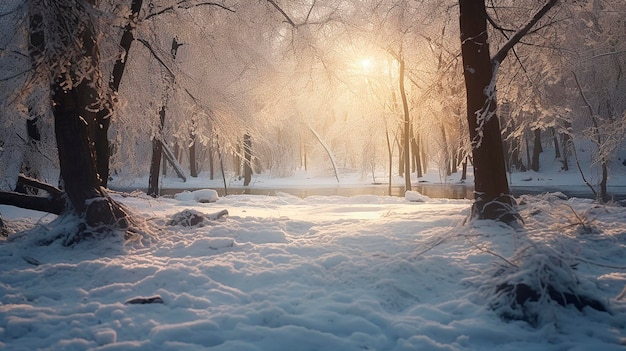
{"type": "Point", "coordinates": [183, 5]}
{"type": "Point", "coordinates": [490, 252]}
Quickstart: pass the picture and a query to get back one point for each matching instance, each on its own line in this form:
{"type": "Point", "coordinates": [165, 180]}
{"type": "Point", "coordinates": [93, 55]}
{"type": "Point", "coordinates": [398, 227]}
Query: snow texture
{"type": "Point", "coordinates": [319, 273]}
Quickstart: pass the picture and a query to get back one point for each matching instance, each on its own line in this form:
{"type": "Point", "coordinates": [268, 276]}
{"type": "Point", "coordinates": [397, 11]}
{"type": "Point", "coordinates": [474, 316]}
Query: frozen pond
{"type": "Point", "coordinates": [449, 191]}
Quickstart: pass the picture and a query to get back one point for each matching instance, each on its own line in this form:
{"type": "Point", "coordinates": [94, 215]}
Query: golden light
{"type": "Point", "coordinates": [366, 65]}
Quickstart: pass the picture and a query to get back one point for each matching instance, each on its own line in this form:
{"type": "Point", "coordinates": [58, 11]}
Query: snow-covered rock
{"type": "Point", "coordinates": [414, 196]}
{"type": "Point", "coordinates": [202, 195]}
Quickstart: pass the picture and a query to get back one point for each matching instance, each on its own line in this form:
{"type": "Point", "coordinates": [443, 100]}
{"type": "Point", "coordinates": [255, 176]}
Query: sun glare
{"type": "Point", "coordinates": [366, 65]}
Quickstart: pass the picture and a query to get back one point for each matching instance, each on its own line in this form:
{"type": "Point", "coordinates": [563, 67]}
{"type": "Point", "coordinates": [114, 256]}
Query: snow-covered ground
{"type": "Point", "coordinates": [319, 273]}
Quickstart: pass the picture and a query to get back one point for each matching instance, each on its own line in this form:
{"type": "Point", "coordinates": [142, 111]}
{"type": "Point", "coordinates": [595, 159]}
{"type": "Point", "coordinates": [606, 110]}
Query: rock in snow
{"type": "Point", "coordinates": [202, 195]}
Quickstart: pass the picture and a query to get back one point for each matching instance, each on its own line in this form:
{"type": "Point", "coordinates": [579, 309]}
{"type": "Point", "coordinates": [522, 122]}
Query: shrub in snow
{"type": "Point", "coordinates": [193, 218]}
{"type": "Point", "coordinates": [537, 280]}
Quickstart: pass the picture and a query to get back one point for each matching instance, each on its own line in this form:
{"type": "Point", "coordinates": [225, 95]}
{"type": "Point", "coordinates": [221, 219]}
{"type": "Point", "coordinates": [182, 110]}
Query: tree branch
{"type": "Point", "coordinates": [55, 205]}
{"type": "Point", "coordinates": [289, 20]}
{"type": "Point", "coordinates": [149, 47]}
{"type": "Point", "coordinates": [36, 184]}
{"type": "Point", "coordinates": [184, 5]}
{"type": "Point", "coordinates": [501, 54]}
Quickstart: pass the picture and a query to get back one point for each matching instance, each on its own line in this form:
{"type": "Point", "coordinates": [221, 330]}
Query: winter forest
{"type": "Point", "coordinates": [95, 94]}
{"type": "Point", "coordinates": [322, 84]}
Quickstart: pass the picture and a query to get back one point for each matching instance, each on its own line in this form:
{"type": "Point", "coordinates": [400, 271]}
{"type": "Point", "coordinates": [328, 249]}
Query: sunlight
{"type": "Point", "coordinates": [366, 65]}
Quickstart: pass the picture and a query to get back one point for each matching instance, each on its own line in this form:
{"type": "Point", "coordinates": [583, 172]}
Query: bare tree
{"type": "Point", "coordinates": [492, 194]}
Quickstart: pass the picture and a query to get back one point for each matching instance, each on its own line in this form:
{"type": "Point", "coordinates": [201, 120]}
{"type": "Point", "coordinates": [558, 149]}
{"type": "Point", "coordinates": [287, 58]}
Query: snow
{"type": "Point", "coordinates": [201, 195]}
{"type": "Point", "coordinates": [317, 273]}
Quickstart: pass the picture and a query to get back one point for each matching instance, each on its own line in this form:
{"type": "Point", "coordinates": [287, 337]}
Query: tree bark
{"type": "Point", "coordinates": [77, 102]}
{"type": "Point", "coordinates": [492, 194]}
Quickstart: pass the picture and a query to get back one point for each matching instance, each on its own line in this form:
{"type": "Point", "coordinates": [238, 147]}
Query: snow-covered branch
{"type": "Point", "coordinates": [501, 54]}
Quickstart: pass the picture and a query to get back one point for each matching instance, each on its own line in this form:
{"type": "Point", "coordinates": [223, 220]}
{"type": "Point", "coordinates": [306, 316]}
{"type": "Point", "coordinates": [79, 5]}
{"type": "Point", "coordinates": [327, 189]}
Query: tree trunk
{"type": "Point", "coordinates": [446, 150]}
{"type": "Point", "coordinates": [76, 106]}
{"type": "Point", "coordinates": [492, 194]}
{"type": "Point", "coordinates": [528, 159]}
{"type": "Point", "coordinates": [193, 166]}
{"type": "Point", "coordinates": [415, 151]}
{"type": "Point", "coordinates": [516, 158]}
{"type": "Point", "coordinates": [237, 161]}
{"type": "Point", "coordinates": [464, 169]}
{"type": "Point", "coordinates": [537, 150]}
{"type": "Point", "coordinates": [407, 130]}
{"type": "Point", "coordinates": [219, 155]}
{"type": "Point", "coordinates": [157, 152]}
{"type": "Point", "coordinates": [247, 167]}
{"type": "Point", "coordinates": [566, 143]}
{"type": "Point", "coordinates": [101, 141]}
{"type": "Point", "coordinates": [389, 158]}
{"type": "Point", "coordinates": [211, 161]}
{"type": "Point", "coordinates": [400, 144]}
{"type": "Point", "coordinates": [555, 140]}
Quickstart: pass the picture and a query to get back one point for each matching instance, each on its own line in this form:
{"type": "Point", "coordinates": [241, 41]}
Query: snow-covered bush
{"type": "Point", "coordinates": [540, 275]}
{"type": "Point", "coordinates": [539, 280]}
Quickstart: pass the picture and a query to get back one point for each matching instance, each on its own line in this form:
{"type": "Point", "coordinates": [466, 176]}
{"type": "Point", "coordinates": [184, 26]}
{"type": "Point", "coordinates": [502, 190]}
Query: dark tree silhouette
{"type": "Point", "coordinates": [492, 194]}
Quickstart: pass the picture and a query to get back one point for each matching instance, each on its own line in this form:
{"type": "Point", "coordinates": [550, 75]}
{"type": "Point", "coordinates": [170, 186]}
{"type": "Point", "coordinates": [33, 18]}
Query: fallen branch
{"type": "Point", "coordinates": [55, 202]}
{"type": "Point", "coordinates": [32, 202]}
{"type": "Point", "coordinates": [36, 184]}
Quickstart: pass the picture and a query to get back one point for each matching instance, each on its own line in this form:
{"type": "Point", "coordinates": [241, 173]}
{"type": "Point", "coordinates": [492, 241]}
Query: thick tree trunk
{"type": "Point", "coordinates": [76, 156]}
{"type": "Point", "coordinates": [77, 104]}
{"type": "Point", "coordinates": [492, 194]}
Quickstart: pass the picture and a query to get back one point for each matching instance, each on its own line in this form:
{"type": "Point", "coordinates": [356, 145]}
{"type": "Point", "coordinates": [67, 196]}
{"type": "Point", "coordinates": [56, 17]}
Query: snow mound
{"type": "Point", "coordinates": [414, 196]}
{"type": "Point", "coordinates": [202, 196]}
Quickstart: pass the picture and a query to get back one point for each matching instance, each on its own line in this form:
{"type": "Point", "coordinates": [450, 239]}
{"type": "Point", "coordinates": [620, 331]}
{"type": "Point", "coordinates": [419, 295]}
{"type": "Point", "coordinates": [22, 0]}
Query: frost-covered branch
{"type": "Point", "coordinates": [54, 203]}
{"type": "Point", "coordinates": [282, 12]}
{"type": "Point", "coordinates": [184, 5]}
{"type": "Point", "coordinates": [501, 54]}
{"type": "Point", "coordinates": [156, 56]}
